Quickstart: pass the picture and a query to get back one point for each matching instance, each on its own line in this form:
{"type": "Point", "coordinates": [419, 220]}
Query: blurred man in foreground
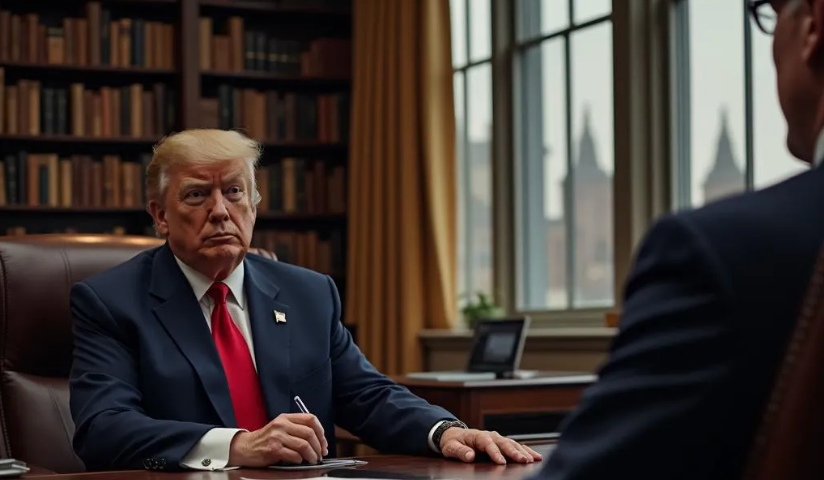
{"type": "Point", "coordinates": [710, 304]}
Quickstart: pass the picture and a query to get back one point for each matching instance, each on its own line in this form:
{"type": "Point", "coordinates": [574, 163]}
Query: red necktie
{"type": "Point", "coordinates": [244, 388]}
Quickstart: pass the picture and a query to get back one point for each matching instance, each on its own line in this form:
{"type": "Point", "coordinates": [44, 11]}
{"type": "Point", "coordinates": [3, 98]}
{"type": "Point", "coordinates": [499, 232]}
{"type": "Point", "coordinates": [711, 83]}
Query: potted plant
{"type": "Point", "coordinates": [480, 306]}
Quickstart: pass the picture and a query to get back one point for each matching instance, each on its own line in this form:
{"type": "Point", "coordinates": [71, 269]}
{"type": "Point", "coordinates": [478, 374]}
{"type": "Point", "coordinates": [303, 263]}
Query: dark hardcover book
{"type": "Point", "coordinates": [22, 177]}
{"type": "Point", "coordinates": [12, 192]}
{"type": "Point", "coordinates": [300, 185]}
{"type": "Point", "coordinates": [125, 112]}
{"type": "Point", "coordinates": [261, 53]}
{"type": "Point", "coordinates": [171, 110]}
{"type": "Point", "coordinates": [249, 50]}
{"type": "Point", "coordinates": [62, 111]}
{"type": "Point", "coordinates": [105, 37]}
{"type": "Point", "coordinates": [43, 185]}
{"type": "Point", "coordinates": [160, 108]}
{"type": "Point", "coordinates": [276, 187]}
{"type": "Point", "coordinates": [48, 108]}
{"type": "Point", "coordinates": [138, 52]}
{"type": "Point", "coordinates": [224, 100]}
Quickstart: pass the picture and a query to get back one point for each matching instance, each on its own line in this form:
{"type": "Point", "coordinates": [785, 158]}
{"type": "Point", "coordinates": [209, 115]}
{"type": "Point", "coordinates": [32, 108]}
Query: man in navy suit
{"type": "Point", "coordinates": [710, 305]}
{"type": "Point", "coordinates": [191, 354]}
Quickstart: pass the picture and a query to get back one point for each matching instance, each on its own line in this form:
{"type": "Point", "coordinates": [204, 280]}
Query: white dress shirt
{"type": "Point", "coordinates": [212, 450]}
{"type": "Point", "coordinates": [818, 156]}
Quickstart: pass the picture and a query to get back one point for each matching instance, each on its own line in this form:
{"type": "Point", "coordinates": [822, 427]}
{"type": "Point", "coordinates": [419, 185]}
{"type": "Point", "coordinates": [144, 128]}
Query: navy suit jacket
{"type": "Point", "coordinates": [708, 310]}
{"type": "Point", "coordinates": [147, 381]}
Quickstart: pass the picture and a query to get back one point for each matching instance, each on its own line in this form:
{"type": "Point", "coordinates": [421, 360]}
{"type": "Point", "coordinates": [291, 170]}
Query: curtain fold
{"type": "Point", "coordinates": [401, 241]}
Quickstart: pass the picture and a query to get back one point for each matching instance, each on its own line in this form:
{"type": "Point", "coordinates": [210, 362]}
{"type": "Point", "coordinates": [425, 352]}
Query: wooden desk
{"type": "Point", "coordinates": [425, 466]}
{"type": "Point", "coordinates": [514, 407]}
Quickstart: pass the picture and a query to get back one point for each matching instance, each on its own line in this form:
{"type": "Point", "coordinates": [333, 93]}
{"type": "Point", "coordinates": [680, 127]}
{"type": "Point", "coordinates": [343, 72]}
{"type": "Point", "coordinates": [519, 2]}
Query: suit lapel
{"type": "Point", "coordinates": [270, 338]}
{"type": "Point", "coordinates": [180, 314]}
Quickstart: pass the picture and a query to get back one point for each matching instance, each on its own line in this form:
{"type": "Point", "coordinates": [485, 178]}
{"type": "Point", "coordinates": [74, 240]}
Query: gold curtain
{"type": "Point", "coordinates": [401, 242]}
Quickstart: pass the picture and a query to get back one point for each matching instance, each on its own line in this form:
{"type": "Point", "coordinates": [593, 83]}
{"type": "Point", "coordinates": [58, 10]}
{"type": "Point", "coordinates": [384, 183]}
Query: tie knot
{"type": "Point", "coordinates": [218, 291]}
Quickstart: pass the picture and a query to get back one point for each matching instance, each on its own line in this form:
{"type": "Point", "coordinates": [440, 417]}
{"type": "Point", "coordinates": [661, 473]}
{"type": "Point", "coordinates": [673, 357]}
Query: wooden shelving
{"type": "Point", "coordinates": [274, 7]}
{"type": "Point", "coordinates": [72, 139]}
{"type": "Point", "coordinates": [26, 67]}
{"type": "Point", "coordinates": [67, 80]}
{"type": "Point", "coordinates": [275, 80]}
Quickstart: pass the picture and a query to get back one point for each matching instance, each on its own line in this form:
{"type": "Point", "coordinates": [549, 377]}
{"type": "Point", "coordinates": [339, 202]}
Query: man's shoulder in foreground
{"type": "Point", "coordinates": [775, 211]}
{"type": "Point", "coordinates": [709, 304]}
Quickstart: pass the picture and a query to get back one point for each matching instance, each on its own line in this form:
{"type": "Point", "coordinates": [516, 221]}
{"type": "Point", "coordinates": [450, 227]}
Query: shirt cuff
{"type": "Point", "coordinates": [211, 452]}
{"type": "Point", "coordinates": [431, 433]}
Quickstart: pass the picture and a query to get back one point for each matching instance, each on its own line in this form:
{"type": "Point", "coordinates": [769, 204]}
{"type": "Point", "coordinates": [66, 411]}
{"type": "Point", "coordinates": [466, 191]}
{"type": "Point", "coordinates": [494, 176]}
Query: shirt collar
{"type": "Point", "coordinates": [200, 283]}
{"type": "Point", "coordinates": [818, 157]}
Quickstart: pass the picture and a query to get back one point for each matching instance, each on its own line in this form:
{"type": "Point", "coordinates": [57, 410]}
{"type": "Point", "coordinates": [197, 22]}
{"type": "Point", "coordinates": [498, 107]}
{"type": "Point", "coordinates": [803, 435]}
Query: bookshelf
{"type": "Point", "coordinates": [88, 86]}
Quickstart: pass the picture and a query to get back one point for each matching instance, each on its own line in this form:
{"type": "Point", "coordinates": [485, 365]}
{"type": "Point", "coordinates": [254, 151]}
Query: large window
{"type": "Point", "coordinates": [564, 140]}
{"type": "Point", "coordinates": [732, 136]}
{"type": "Point", "coordinates": [471, 52]}
{"type": "Point", "coordinates": [708, 127]}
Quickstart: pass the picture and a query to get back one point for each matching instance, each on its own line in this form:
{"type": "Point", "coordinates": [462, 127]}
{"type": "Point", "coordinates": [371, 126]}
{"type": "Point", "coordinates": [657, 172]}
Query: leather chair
{"type": "Point", "coordinates": [36, 275]}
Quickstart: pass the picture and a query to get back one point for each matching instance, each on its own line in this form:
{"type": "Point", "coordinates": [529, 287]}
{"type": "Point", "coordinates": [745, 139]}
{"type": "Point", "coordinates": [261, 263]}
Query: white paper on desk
{"type": "Point", "coordinates": [333, 463]}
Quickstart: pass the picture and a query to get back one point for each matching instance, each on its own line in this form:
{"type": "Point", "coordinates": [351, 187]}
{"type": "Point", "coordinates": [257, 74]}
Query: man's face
{"type": "Point", "coordinates": [209, 215]}
{"type": "Point", "coordinates": [796, 45]}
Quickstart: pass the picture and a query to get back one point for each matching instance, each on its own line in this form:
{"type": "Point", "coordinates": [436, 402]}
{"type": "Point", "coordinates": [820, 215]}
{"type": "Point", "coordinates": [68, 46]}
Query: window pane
{"type": "Point", "coordinates": [592, 150]}
{"type": "Point", "coordinates": [541, 233]}
{"type": "Point", "coordinates": [541, 17]}
{"type": "Point", "coordinates": [457, 10]}
{"type": "Point", "coordinates": [477, 174]}
{"type": "Point", "coordinates": [717, 143]}
{"type": "Point", "coordinates": [586, 10]}
{"type": "Point", "coordinates": [480, 30]}
{"type": "Point", "coordinates": [772, 162]}
{"type": "Point", "coordinates": [460, 130]}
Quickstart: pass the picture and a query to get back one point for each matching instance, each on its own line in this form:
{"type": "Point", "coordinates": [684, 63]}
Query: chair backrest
{"type": "Point", "coordinates": [788, 443]}
{"type": "Point", "coordinates": [36, 275]}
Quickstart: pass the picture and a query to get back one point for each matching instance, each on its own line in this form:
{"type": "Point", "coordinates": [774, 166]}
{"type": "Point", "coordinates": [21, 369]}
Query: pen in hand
{"type": "Point", "coordinates": [303, 409]}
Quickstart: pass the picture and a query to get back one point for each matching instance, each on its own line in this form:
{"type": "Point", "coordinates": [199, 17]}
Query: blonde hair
{"type": "Point", "coordinates": [200, 147]}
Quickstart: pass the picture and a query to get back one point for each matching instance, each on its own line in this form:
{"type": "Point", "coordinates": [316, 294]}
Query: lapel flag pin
{"type": "Point", "coordinates": [280, 317]}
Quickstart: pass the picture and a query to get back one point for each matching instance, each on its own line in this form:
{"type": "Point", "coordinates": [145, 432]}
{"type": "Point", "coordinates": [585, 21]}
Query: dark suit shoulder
{"type": "Point", "coordinates": [759, 234]}
{"type": "Point", "coordinates": [786, 206]}
{"type": "Point", "coordinates": [283, 269]}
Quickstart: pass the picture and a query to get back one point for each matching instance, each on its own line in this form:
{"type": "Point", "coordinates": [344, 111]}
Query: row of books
{"type": "Point", "coordinates": [94, 40]}
{"type": "Point", "coordinates": [293, 185]}
{"type": "Point", "coordinates": [278, 116]}
{"type": "Point", "coordinates": [298, 185]}
{"type": "Point", "coordinates": [79, 181]}
{"type": "Point", "coordinates": [243, 48]}
{"type": "Point", "coordinates": [29, 108]}
{"type": "Point", "coordinates": [319, 251]}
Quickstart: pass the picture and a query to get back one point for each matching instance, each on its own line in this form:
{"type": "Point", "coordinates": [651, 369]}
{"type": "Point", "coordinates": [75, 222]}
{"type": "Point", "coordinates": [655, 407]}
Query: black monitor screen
{"type": "Point", "coordinates": [497, 345]}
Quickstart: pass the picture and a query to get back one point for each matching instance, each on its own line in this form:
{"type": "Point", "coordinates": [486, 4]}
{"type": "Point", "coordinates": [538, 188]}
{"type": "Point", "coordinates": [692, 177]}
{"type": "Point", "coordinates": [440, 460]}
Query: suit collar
{"type": "Point", "coordinates": [201, 283]}
{"type": "Point", "coordinates": [180, 314]}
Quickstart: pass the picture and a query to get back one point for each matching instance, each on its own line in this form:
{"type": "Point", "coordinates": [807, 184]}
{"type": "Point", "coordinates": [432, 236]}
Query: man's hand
{"type": "Point", "coordinates": [291, 437]}
{"type": "Point", "coordinates": [463, 444]}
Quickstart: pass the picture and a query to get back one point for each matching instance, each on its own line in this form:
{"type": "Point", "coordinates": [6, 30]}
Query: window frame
{"type": "Point", "coordinates": [464, 176]}
{"type": "Point", "coordinates": [643, 172]}
{"type": "Point", "coordinates": [681, 61]}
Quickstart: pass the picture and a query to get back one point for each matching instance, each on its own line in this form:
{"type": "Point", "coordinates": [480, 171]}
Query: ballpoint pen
{"type": "Point", "coordinates": [303, 409]}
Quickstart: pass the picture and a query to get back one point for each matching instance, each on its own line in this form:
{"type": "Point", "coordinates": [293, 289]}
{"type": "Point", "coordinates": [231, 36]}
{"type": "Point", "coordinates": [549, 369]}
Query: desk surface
{"type": "Point", "coordinates": [431, 467]}
{"type": "Point", "coordinates": [542, 379]}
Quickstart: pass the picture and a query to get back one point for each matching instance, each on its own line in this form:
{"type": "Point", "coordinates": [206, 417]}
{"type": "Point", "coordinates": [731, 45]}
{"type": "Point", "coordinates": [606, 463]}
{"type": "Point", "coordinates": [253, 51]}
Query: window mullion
{"type": "Point", "coordinates": [749, 173]}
